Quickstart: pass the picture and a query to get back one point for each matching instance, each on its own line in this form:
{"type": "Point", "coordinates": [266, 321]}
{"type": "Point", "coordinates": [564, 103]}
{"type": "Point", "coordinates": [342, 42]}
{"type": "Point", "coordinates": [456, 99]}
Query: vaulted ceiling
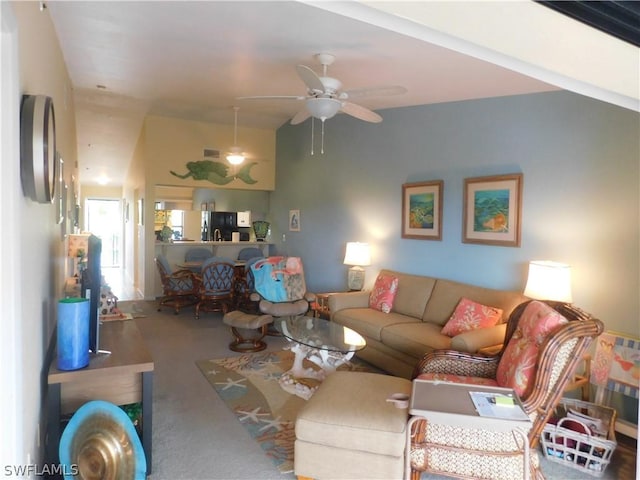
{"type": "Point", "coordinates": [192, 60]}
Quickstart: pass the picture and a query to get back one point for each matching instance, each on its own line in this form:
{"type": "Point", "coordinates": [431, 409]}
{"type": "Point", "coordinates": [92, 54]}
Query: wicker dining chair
{"type": "Point", "coordinates": [217, 287]}
{"type": "Point", "coordinates": [245, 285]}
{"type": "Point", "coordinates": [538, 364]}
{"type": "Point", "coordinates": [179, 288]}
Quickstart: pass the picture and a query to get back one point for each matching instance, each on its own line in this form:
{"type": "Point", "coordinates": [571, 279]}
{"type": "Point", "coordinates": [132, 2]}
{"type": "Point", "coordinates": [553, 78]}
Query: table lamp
{"type": "Point", "coordinates": [358, 255]}
{"type": "Point", "coordinates": [549, 281]}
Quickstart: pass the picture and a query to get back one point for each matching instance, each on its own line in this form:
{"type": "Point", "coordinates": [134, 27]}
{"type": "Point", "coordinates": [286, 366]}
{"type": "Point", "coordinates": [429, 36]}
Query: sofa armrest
{"type": "Point", "coordinates": [342, 300]}
{"type": "Point", "coordinates": [474, 340]}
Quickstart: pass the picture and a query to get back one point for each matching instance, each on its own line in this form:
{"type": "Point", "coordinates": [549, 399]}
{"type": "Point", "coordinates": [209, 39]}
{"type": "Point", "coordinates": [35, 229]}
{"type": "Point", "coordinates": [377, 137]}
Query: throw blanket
{"type": "Point", "coordinates": [279, 279]}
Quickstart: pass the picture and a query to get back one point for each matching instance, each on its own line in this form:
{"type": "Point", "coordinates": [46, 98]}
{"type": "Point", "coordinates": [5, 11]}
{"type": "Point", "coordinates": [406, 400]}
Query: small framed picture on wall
{"type": "Point", "coordinates": [294, 220]}
{"type": "Point", "coordinates": [422, 210]}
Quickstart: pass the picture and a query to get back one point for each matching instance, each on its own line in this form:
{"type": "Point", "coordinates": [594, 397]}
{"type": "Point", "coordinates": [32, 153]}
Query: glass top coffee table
{"type": "Point", "coordinates": [324, 343]}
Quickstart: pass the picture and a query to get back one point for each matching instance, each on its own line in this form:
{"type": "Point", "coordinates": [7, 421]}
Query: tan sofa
{"type": "Point", "coordinates": [422, 306]}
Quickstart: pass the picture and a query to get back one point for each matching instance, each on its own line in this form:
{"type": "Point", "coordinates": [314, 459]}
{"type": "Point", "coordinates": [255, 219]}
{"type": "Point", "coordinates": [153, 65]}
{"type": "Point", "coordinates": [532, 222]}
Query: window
{"type": "Point", "coordinates": [176, 223]}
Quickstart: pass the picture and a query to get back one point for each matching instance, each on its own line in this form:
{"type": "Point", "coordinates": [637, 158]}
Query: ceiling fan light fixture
{"type": "Point", "coordinates": [235, 156]}
{"type": "Point", "coordinates": [323, 108]}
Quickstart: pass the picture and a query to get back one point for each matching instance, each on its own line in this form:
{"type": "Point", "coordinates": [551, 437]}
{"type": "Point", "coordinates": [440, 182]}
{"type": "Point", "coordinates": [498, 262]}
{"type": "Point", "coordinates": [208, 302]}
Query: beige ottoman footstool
{"type": "Point", "coordinates": [348, 430]}
{"type": "Point", "coordinates": [239, 320]}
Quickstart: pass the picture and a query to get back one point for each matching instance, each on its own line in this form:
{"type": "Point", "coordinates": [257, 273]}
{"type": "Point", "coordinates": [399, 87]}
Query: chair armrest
{"type": "Point", "coordinates": [474, 340]}
{"type": "Point", "coordinates": [343, 300]}
{"type": "Point", "coordinates": [255, 297]}
{"type": "Point", "coordinates": [457, 363]}
{"type": "Point", "coordinates": [182, 274]}
{"type": "Point", "coordinates": [187, 274]}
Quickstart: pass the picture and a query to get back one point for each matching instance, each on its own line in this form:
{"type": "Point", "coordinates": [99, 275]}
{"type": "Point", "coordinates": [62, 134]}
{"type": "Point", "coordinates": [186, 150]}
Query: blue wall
{"type": "Point", "coordinates": [580, 162]}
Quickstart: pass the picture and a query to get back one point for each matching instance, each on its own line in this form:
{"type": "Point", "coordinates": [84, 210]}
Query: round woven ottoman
{"type": "Point", "coordinates": [239, 320]}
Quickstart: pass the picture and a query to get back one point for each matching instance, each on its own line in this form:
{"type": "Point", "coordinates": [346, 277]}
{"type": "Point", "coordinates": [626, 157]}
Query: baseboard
{"type": "Point", "coordinates": [627, 428]}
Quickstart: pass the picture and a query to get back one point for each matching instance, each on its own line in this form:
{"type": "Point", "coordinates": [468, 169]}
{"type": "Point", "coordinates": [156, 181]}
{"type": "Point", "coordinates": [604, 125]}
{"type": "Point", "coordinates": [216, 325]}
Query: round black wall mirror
{"type": "Point", "coordinates": [38, 148]}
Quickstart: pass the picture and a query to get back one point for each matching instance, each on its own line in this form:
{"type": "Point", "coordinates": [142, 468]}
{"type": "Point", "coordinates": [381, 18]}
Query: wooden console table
{"type": "Point", "coordinates": [124, 376]}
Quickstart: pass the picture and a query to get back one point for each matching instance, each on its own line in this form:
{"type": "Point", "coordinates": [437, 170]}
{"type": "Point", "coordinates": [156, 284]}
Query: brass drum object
{"type": "Point", "coordinates": [101, 443]}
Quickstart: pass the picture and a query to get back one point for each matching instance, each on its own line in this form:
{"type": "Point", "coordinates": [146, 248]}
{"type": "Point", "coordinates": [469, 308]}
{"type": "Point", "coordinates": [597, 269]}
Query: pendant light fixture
{"type": "Point", "coordinates": [235, 155]}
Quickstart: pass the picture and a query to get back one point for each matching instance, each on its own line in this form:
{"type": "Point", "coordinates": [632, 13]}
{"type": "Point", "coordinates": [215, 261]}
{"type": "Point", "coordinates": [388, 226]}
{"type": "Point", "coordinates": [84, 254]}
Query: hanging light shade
{"type": "Point", "coordinates": [235, 155]}
{"type": "Point", "coordinates": [323, 108]}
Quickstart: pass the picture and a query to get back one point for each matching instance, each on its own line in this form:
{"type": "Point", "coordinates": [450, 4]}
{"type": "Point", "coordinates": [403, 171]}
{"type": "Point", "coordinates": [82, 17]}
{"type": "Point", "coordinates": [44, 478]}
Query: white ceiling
{"type": "Point", "coordinates": [192, 59]}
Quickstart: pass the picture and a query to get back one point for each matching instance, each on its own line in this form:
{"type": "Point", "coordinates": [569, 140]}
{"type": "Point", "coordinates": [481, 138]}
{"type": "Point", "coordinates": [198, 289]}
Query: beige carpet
{"type": "Point", "coordinates": [249, 386]}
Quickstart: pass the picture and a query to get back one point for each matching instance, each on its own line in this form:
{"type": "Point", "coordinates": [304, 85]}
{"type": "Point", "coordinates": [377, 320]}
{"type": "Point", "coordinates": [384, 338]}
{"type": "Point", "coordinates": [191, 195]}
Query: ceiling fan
{"type": "Point", "coordinates": [324, 98]}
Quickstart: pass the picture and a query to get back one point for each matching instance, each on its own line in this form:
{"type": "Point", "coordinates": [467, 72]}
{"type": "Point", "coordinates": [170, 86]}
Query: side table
{"type": "Point", "coordinates": [451, 404]}
{"type": "Point", "coordinates": [320, 307]}
{"type": "Point", "coordinates": [124, 376]}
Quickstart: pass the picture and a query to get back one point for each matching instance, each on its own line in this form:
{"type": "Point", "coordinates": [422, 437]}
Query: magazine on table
{"type": "Point", "coordinates": [498, 405]}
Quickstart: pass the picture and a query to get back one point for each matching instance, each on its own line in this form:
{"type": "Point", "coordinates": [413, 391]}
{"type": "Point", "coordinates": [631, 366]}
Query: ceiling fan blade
{"type": "Point", "coordinates": [374, 91]}
{"type": "Point", "coordinates": [272, 97]}
{"type": "Point", "coordinates": [361, 112]}
{"type": "Point", "coordinates": [300, 117]}
{"type": "Point", "coordinates": [310, 79]}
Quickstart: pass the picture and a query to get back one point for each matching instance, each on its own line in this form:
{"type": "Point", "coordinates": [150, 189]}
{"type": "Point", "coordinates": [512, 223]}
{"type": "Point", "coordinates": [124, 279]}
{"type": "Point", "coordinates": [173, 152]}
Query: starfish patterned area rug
{"type": "Point", "coordinates": [248, 384]}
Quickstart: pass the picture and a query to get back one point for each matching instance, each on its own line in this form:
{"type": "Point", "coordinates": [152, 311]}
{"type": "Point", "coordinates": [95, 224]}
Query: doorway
{"type": "Point", "coordinates": [104, 219]}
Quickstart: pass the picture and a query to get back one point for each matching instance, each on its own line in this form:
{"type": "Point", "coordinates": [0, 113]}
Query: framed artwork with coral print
{"type": "Point", "coordinates": [492, 209]}
{"type": "Point", "coordinates": [422, 210]}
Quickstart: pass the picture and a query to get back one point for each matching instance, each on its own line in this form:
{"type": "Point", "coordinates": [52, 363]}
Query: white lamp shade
{"type": "Point", "coordinates": [357, 254]}
{"type": "Point", "coordinates": [549, 281]}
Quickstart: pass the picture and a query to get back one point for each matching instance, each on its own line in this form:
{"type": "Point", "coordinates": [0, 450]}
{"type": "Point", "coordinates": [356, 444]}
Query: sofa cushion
{"type": "Point", "coordinates": [446, 295]}
{"type": "Point", "coordinates": [413, 293]}
{"type": "Point", "coordinates": [384, 292]}
{"type": "Point", "coordinates": [415, 339]}
{"type": "Point", "coordinates": [470, 315]}
{"type": "Point", "coordinates": [369, 322]}
{"type": "Point", "coordinates": [517, 365]}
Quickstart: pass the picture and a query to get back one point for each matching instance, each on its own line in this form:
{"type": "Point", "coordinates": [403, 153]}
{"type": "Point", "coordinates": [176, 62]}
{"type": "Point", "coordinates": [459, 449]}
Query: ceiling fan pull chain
{"type": "Point", "coordinates": [322, 139]}
{"type": "Point", "coordinates": [312, 132]}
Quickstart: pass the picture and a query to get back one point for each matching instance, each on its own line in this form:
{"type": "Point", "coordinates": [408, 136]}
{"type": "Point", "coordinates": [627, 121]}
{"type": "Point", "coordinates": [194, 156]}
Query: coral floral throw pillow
{"type": "Point", "coordinates": [384, 292]}
{"type": "Point", "coordinates": [470, 315]}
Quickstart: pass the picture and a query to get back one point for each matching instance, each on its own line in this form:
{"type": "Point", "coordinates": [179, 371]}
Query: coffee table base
{"type": "Point", "coordinates": [292, 380]}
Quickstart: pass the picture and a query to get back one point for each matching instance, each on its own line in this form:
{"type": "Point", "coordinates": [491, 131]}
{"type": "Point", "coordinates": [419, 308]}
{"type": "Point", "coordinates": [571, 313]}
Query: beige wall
{"type": "Point", "coordinates": [40, 270]}
{"type": "Point", "coordinates": [171, 143]}
{"type": "Point", "coordinates": [166, 145]}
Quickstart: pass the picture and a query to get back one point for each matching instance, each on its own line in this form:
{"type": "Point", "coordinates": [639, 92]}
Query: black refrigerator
{"type": "Point", "coordinates": [225, 222]}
